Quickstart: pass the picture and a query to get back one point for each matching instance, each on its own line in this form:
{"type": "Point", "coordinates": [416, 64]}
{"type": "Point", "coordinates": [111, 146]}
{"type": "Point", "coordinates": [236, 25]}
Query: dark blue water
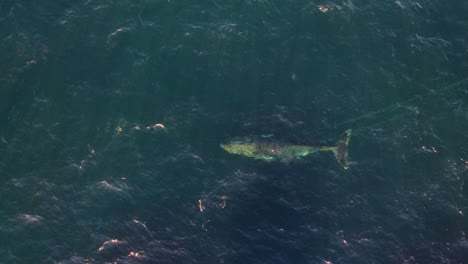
{"type": "Point", "coordinates": [85, 178]}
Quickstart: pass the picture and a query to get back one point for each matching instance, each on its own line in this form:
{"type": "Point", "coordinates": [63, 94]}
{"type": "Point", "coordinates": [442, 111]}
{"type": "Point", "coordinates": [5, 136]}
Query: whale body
{"type": "Point", "coordinates": [271, 150]}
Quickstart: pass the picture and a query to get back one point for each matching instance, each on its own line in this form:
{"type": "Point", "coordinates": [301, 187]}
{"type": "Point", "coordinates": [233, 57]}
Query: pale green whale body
{"type": "Point", "coordinates": [267, 150]}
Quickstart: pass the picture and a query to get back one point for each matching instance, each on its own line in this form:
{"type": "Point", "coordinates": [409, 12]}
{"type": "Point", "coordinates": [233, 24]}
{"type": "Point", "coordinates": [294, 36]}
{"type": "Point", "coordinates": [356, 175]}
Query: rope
{"type": "Point", "coordinates": [396, 105]}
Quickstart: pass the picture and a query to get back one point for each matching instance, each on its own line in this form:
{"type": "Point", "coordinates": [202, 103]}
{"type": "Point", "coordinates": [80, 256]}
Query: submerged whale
{"type": "Point", "coordinates": [272, 150]}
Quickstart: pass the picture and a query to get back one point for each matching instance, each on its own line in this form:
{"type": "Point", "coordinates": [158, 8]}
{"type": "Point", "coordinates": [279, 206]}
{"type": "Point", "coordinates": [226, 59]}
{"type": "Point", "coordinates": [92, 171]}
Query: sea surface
{"type": "Point", "coordinates": [112, 113]}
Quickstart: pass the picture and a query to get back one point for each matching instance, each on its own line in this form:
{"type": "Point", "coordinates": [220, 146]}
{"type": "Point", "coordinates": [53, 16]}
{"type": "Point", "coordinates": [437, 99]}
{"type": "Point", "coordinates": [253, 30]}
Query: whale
{"type": "Point", "coordinates": [269, 150]}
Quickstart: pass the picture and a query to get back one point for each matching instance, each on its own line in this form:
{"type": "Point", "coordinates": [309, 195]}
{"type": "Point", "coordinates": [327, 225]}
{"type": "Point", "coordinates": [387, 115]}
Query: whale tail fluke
{"type": "Point", "coordinates": [341, 149]}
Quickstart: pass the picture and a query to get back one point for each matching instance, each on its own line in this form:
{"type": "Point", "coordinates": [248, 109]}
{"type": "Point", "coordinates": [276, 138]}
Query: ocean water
{"type": "Point", "coordinates": [87, 177]}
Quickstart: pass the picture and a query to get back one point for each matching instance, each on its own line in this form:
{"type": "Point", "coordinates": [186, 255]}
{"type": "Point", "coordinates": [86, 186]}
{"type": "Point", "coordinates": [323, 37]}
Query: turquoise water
{"type": "Point", "coordinates": [86, 178]}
